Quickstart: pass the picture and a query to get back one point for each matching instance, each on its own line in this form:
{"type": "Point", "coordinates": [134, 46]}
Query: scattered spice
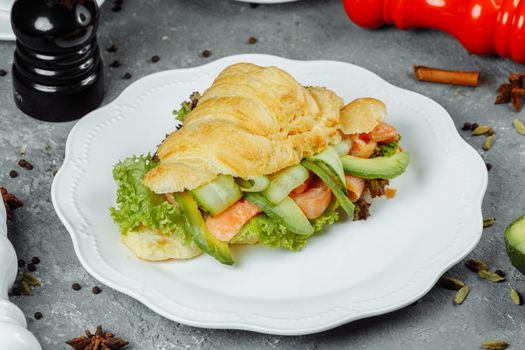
{"type": "Point", "coordinates": [252, 40]}
{"type": "Point", "coordinates": [26, 288]}
{"type": "Point", "coordinates": [25, 164]}
{"type": "Point", "coordinates": [21, 263]}
{"type": "Point", "coordinates": [461, 295]}
{"type": "Point", "coordinates": [476, 265]}
{"type": "Point", "coordinates": [253, 5]}
{"type": "Point", "coordinates": [13, 174]}
{"type": "Point", "coordinates": [115, 64]}
{"type": "Point", "coordinates": [3, 73]}
{"type": "Point", "coordinates": [116, 8]}
{"type": "Point", "coordinates": [495, 345]}
{"type": "Point", "coordinates": [487, 222]}
{"type": "Point", "coordinates": [113, 48]}
{"type": "Point", "coordinates": [500, 273]}
{"type": "Point", "coordinates": [15, 291]}
{"type": "Point", "coordinates": [97, 341]}
{"type": "Point", "coordinates": [474, 126]}
{"type": "Point", "coordinates": [30, 279]}
{"type": "Point", "coordinates": [481, 130]}
{"type": "Point", "coordinates": [31, 267]}
{"type": "Point", "coordinates": [127, 76]}
{"type": "Point", "coordinates": [466, 126]}
{"type": "Point", "coordinates": [362, 209]}
{"type": "Point", "coordinates": [491, 276]}
{"type": "Point", "coordinates": [516, 297]}
{"type": "Point", "coordinates": [442, 76]}
{"type": "Point", "coordinates": [35, 260]}
{"type": "Point", "coordinates": [489, 141]}
{"type": "Point", "coordinates": [451, 283]}
{"type": "Point", "coordinates": [489, 166]}
{"type": "Point", "coordinates": [76, 287]}
{"type": "Point", "coordinates": [10, 202]}
{"type": "Point", "coordinates": [512, 92]}
{"type": "Point", "coordinates": [96, 290]}
{"type": "Point", "coordinates": [155, 59]}
{"type": "Point", "coordinates": [206, 53]}
{"type": "Point", "coordinates": [519, 126]}
{"type": "Point", "coordinates": [38, 315]}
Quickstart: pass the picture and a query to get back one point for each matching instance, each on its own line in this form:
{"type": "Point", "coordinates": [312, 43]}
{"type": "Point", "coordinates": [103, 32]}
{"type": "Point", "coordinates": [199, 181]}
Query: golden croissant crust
{"type": "Point", "coordinates": [252, 121]}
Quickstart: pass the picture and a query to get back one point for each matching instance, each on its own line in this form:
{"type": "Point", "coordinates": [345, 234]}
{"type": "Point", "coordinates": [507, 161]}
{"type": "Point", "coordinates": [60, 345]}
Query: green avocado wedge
{"type": "Point", "coordinates": [377, 168]}
{"type": "Point", "coordinates": [196, 226]}
{"type": "Point", "coordinates": [515, 243]}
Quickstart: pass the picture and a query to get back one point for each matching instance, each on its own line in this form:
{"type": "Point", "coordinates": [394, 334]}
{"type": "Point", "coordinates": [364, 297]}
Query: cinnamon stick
{"type": "Point", "coordinates": [442, 76]}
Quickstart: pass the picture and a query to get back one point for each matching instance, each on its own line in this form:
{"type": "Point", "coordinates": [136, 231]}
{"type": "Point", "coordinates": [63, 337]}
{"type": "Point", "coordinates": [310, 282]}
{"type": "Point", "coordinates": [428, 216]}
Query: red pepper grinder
{"type": "Point", "coordinates": [57, 70]}
{"type": "Point", "coordinates": [482, 26]}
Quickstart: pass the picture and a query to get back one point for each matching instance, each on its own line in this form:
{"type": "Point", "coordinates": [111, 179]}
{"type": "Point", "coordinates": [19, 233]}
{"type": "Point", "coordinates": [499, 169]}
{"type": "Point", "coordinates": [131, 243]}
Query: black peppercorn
{"type": "Point", "coordinates": [13, 174]}
{"type": "Point", "coordinates": [500, 273]}
{"type": "Point", "coordinates": [127, 76]}
{"type": "Point", "coordinates": [115, 64]}
{"type": "Point", "coordinates": [116, 8]}
{"type": "Point", "coordinates": [466, 126]}
{"type": "Point", "coordinates": [38, 315]}
{"type": "Point", "coordinates": [3, 73]}
{"type": "Point", "coordinates": [155, 59]}
{"type": "Point", "coordinates": [206, 53]}
{"type": "Point", "coordinates": [112, 48]}
{"type": "Point", "coordinates": [489, 166]}
{"type": "Point", "coordinates": [252, 40]}
{"type": "Point", "coordinates": [35, 260]}
{"type": "Point", "coordinates": [31, 267]}
{"type": "Point", "coordinates": [21, 263]}
{"type": "Point", "coordinates": [96, 290]}
{"type": "Point", "coordinates": [76, 287]}
{"type": "Point", "coordinates": [16, 292]}
{"type": "Point", "coordinates": [474, 126]}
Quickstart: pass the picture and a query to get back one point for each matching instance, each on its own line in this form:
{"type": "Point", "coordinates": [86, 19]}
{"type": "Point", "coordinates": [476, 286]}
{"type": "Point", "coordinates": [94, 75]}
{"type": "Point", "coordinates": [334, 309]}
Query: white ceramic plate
{"type": "Point", "coordinates": [343, 275]}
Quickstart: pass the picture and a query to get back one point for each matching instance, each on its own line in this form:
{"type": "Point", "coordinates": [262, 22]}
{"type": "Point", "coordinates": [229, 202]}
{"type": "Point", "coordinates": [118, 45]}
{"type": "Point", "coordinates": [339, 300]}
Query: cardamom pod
{"type": "Point", "coordinates": [489, 141]}
{"type": "Point", "coordinates": [30, 279]}
{"type": "Point", "coordinates": [495, 345]}
{"type": "Point", "coordinates": [461, 295]}
{"type": "Point", "coordinates": [26, 288]}
{"type": "Point", "coordinates": [519, 126]}
{"type": "Point", "coordinates": [491, 276]}
{"type": "Point", "coordinates": [476, 265]}
{"type": "Point", "coordinates": [481, 130]}
{"type": "Point", "coordinates": [487, 222]}
{"type": "Point", "coordinates": [516, 297]}
{"type": "Point", "coordinates": [451, 283]}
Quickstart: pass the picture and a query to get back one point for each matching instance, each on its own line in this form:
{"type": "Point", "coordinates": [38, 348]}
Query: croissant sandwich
{"type": "Point", "coordinates": [258, 158]}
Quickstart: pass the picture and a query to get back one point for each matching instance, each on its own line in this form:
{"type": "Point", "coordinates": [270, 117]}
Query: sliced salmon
{"type": "Point", "coordinates": [314, 201]}
{"type": "Point", "coordinates": [227, 224]}
{"type": "Point", "coordinates": [355, 186]}
{"type": "Point", "coordinates": [362, 148]}
{"type": "Point", "coordinates": [384, 133]}
{"type": "Point", "coordinates": [302, 187]}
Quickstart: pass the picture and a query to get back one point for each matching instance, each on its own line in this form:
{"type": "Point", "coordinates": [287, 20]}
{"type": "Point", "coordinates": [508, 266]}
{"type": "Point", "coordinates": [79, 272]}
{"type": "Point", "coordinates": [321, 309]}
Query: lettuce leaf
{"type": "Point", "coordinates": [137, 206]}
{"type": "Point", "coordinates": [274, 235]}
{"type": "Point", "coordinates": [185, 108]}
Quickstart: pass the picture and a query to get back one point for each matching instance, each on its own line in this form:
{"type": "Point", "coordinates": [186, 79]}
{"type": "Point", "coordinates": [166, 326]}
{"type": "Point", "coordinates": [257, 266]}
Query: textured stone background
{"type": "Point", "coordinates": [179, 31]}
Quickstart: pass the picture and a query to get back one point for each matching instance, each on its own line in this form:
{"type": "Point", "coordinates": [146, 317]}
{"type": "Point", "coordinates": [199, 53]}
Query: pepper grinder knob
{"type": "Point", "coordinates": [484, 27]}
{"type": "Point", "coordinates": [57, 70]}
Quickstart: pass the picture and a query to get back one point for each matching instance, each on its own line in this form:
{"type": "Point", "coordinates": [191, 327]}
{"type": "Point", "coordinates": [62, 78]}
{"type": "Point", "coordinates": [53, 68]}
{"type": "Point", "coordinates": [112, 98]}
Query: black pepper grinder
{"type": "Point", "coordinates": [57, 70]}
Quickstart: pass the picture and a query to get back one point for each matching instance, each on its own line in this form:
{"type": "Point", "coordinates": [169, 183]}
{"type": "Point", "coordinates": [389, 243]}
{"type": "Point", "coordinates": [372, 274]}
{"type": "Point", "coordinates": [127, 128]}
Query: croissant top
{"type": "Point", "coordinates": [252, 121]}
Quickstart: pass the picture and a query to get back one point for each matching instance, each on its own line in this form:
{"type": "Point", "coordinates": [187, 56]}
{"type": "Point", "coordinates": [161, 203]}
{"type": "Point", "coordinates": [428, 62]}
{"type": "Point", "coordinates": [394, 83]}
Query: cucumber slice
{"type": "Point", "coordinates": [377, 168]}
{"type": "Point", "coordinates": [196, 226]}
{"type": "Point", "coordinates": [286, 213]}
{"type": "Point", "coordinates": [253, 183]}
{"type": "Point", "coordinates": [331, 159]}
{"type": "Point", "coordinates": [343, 147]}
{"type": "Point", "coordinates": [515, 243]}
{"type": "Point", "coordinates": [343, 200]}
{"type": "Point", "coordinates": [218, 195]}
{"type": "Point", "coordinates": [284, 182]}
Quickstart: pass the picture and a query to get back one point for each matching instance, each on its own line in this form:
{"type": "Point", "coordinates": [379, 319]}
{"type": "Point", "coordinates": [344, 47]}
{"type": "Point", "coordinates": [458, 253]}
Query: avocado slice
{"type": "Point", "coordinates": [377, 168]}
{"type": "Point", "coordinates": [287, 213]}
{"type": "Point", "coordinates": [515, 243]}
{"type": "Point", "coordinates": [196, 226]}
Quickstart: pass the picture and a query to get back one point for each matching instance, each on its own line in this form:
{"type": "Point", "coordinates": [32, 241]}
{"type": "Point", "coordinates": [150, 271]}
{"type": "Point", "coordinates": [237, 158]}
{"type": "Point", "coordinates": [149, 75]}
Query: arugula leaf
{"type": "Point", "coordinates": [137, 206]}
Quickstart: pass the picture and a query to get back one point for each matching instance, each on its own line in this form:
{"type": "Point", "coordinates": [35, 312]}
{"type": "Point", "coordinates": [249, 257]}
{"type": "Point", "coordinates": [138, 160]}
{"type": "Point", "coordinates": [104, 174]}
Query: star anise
{"type": "Point", "coordinates": [97, 341]}
{"type": "Point", "coordinates": [512, 92]}
{"type": "Point", "coordinates": [10, 202]}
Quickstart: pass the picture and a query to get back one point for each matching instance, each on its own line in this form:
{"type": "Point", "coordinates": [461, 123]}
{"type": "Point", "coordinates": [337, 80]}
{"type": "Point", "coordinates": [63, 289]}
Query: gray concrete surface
{"type": "Point", "coordinates": [179, 31]}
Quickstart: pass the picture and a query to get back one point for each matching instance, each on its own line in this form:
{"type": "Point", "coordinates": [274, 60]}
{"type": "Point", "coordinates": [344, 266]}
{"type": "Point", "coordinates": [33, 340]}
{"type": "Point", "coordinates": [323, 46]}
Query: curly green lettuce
{"type": "Point", "coordinates": [274, 235]}
{"type": "Point", "coordinates": [386, 150]}
{"type": "Point", "coordinates": [137, 206]}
